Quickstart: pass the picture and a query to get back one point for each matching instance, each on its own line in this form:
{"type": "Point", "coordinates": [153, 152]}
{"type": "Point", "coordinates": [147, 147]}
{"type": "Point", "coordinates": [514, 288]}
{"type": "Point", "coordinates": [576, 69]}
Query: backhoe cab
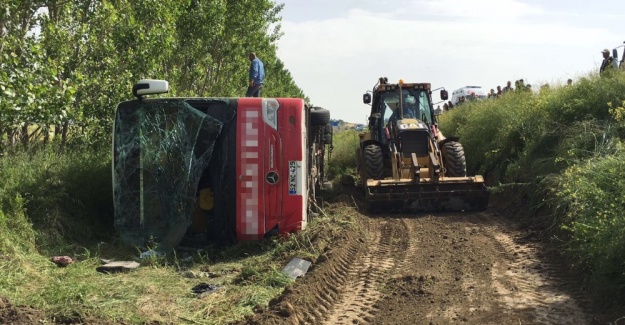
{"type": "Point", "coordinates": [405, 162]}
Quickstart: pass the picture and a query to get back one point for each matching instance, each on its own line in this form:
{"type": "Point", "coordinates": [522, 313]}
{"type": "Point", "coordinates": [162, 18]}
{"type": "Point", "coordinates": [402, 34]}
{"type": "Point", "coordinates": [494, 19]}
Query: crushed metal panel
{"type": "Point", "coordinates": [118, 266]}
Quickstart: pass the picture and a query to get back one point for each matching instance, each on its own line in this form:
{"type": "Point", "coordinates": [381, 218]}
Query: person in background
{"type": "Point", "coordinates": [499, 91]}
{"type": "Point", "coordinates": [508, 87]}
{"type": "Point", "coordinates": [608, 61]}
{"type": "Point", "coordinates": [256, 76]}
{"type": "Point", "coordinates": [569, 82]}
{"type": "Point", "coordinates": [492, 93]}
{"type": "Point", "coordinates": [450, 104]}
{"type": "Point", "coordinates": [445, 107]}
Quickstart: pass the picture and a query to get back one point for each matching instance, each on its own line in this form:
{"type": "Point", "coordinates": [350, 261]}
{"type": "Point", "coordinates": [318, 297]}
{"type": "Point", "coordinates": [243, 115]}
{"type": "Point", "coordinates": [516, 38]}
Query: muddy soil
{"type": "Point", "coordinates": [451, 268]}
{"type": "Point", "coordinates": [26, 315]}
{"type": "Point", "coordinates": [18, 315]}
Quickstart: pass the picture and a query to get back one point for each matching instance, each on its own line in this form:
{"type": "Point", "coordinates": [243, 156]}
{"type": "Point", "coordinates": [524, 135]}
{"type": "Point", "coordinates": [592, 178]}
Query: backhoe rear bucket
{"type": "Point", "coordinates": [448, 194]}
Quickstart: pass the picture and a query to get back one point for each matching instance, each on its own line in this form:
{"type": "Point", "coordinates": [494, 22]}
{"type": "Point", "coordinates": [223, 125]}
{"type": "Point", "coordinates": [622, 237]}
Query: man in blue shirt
{"type": "Point", "coordinates": [256, 76]}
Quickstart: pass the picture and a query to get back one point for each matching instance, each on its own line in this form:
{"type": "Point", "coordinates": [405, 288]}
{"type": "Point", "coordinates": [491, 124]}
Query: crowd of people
{"type": "Point", "coordinates": [519, 85]}
{"type": "Point", "coordinates": [608, 63]}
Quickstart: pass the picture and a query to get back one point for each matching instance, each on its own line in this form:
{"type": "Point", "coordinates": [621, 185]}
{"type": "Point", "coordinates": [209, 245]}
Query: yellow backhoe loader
{"type": "Point", "coordinates": [405, 162]}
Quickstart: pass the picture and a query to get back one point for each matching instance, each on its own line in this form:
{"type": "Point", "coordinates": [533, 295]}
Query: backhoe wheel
{"type": "Point", "coordinates": [373, 162]}
{"type": "Point", "coordinates": [455, 163]}
{"type": "Point", "coordinates": [319, 116]}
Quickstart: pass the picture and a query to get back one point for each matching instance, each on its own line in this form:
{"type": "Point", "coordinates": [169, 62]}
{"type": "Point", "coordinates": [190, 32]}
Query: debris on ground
{"type": "Point", "coordinates": [62, 261]}
{"type": "Point", "coordinates": [120, 266]}
{"type": "Point", "coordinates": [297, 267]}
{"type": "Point", "coordinates": [106, 261]}
{"type": "Point", "coordinates": [197, 275]}
{"type": "Point", "coordinates": [151, 253]}
{"type": "Point", "coordinates": [203, 288]}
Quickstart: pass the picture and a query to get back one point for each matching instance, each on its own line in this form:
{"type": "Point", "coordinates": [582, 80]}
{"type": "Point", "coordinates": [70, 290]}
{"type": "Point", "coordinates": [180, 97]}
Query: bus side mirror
{"type": "Point", "coordinates": [366, 98]}
{"type": "Point", "coordinates": [444, 94]}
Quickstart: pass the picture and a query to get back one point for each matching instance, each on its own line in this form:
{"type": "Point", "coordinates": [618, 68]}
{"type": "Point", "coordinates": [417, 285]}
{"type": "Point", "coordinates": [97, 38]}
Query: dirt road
{"type": "Point", "coordinates": [473, 268]}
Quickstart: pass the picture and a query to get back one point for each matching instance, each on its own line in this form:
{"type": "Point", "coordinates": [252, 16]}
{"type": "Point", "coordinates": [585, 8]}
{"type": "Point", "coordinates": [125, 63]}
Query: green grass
{"type": "Point", "coordinates": [566, 145]}
{"type": "Point", "coordinates": [61, 205]}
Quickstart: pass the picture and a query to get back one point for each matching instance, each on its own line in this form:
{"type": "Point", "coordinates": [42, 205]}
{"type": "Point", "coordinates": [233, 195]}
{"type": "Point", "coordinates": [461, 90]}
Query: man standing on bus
{"type": "Point", "coordinates": [256, 76]}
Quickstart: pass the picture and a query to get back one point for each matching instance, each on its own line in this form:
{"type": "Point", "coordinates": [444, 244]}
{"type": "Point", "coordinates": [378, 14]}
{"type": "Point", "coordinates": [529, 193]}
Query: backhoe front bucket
{"type": "Point", "coordinates": [448, 194]}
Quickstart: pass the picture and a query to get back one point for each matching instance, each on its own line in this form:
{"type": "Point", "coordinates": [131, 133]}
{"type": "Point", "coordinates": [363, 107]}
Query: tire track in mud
{"type": "Point", "coordinates": [344, 287]}
{"type": "Point", "coordinates": [358, 300]}
{"type": "Point", "coordinates": [328, 288]}
{"type": "Point", "coordinates": [443, 277]}
{"type": "Point", "coordinates": [526, 281]}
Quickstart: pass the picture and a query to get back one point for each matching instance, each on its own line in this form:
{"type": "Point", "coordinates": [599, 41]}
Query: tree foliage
{"type": "Point", "coordinates": [65, 64]}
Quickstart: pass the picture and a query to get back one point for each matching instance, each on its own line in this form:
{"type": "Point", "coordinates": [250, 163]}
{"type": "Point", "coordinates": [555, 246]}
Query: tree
{"type": "Point", "coordinates": [65, 64]}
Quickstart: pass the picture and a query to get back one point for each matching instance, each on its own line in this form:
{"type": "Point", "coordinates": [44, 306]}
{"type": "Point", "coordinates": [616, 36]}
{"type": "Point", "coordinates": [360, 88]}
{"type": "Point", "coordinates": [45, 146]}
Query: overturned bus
{"type": "Point", "coordinates": [223, 169]}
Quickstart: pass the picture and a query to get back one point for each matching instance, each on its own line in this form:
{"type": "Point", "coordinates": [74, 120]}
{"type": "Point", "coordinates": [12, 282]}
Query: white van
{"type": "Point", "coordinates": [467, 91]}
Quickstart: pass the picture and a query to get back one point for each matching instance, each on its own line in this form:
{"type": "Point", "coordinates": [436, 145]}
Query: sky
{"type": "Point", "coordinates": [337, 49]}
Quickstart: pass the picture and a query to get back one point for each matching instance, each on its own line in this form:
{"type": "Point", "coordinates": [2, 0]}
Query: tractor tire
{"type": "Point", "coordinates": [319, 117]}
{"type": "Point", "coordinates": [455, 162]}
{"type": "Point", "coordinates": [373, 162]}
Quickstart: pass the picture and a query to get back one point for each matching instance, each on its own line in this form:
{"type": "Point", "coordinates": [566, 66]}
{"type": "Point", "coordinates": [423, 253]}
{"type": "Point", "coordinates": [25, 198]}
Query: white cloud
{"type": "Point", "coordinates": [446, 42]}
{"type": "Point", "coordinates": [482, 9]}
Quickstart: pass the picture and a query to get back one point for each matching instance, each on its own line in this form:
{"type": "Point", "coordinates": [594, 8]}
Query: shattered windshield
{"type": "Point", "coordinates": [161, 149]}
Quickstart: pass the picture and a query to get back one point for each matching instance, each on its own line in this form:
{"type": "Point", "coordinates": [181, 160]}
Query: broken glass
{"type": "Point", "coordinates": [161, 149]}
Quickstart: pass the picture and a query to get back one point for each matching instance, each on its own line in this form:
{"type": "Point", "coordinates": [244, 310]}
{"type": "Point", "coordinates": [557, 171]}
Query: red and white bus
{"type": "Point", "coordinates": [231, 168]}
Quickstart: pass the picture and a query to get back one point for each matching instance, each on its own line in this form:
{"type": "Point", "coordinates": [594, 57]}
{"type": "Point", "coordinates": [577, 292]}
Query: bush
{"type": "Point", "coordinates": [591, 205]}
{"type": "Point", "coordinates": [494, 132]}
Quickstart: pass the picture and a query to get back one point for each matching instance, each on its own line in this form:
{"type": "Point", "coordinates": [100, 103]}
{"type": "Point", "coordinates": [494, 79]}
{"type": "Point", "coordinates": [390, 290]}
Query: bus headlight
{"type": "Point", "coordinates": [270, 112]}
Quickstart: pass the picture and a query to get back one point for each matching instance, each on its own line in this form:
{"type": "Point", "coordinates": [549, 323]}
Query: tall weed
{"type": "Point", "coordinates": [61, 199]}
{"type": "Point", "coordinates": [17, 234]}
{"type": "Point", "coordinates": [343, 158]}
